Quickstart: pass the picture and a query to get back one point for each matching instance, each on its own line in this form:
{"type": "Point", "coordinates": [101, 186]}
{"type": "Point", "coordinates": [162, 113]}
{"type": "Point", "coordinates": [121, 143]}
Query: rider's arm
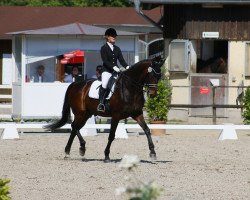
{"type": "Point", "coordinates": [121, 59]}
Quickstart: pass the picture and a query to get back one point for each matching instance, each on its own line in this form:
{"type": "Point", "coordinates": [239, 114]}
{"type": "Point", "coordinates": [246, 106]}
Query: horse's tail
{"type": "Point", "coordinates": [65, 115]}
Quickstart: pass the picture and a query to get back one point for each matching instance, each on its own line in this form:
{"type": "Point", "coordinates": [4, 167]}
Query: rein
{"type": "Point", "coordinates": [150, 69]}
{"type": "Point", "coordinates": [139, 85]}
{"type": "Point", "coordinates": [132, 81]}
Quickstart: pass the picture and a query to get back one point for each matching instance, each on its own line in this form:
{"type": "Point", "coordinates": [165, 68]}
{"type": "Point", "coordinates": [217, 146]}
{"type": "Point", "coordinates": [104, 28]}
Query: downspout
{"type": "Point", "coordinates": [137, 8]}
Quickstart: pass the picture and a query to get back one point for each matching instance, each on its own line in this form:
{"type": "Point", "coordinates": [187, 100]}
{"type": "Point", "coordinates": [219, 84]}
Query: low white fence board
{"type": "Point", "coordinates": [228, 131]}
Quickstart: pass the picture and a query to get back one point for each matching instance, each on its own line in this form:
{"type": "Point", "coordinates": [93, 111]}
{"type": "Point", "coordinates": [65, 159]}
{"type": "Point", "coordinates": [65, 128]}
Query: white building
{"type": "Point", "coordinates": [45, 47]}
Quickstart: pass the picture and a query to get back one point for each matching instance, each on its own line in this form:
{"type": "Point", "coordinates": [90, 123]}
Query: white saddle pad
{"type": "Point", "coordinates": [94, 90]}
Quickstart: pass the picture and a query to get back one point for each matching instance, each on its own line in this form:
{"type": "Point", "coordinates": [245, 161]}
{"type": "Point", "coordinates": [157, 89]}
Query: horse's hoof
{"type": "Point", "coordinates": [152, 156]}
{"type": "Point", "coordinates": [66, 157]}
{"type": "Point", "coordinates": [107, 160]}
{"type": "Point", "coordinates": [82, 151]}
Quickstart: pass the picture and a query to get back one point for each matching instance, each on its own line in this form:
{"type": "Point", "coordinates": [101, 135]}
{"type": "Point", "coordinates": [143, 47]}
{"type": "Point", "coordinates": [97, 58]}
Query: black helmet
{"type": "Point", "coordinates": [110, 32]}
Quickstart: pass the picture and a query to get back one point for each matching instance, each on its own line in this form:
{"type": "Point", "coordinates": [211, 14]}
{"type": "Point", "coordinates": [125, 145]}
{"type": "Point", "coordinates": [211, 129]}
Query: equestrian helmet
{"type": "Point", "coordinates": [110, 32]}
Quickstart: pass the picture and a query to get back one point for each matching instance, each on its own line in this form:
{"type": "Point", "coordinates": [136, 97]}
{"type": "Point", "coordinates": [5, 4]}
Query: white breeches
{"type": "Point", "coordinates": [105, 78]}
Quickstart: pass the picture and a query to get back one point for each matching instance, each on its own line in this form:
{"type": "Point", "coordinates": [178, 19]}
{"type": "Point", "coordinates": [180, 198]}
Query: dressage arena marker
{"type": "Point", "coordinates": [228, 133]}
{"type": "Point", "coordinates": [89, 132]}
{"type": "Point", "coordinates": [10, 130]}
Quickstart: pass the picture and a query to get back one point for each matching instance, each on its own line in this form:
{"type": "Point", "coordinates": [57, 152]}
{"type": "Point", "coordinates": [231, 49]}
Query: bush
{"type": "Point", "coordinates": [246, 106]}
{"type": "Point", "coordinates": [4, 189]}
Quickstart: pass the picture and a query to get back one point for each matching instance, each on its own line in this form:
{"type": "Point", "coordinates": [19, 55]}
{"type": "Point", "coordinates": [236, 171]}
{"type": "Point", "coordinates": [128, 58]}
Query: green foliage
{"type": "Point", "coordinates": [246, 106]}
{"type": "Point", "coordinates": [137, 189]}
{"type": "Point", "coordinates": [158, 107]}
{"type": "Point", "coordinates": [144, 191]}
{"type": "Point", "coordinates": [83, 3]}
{"type": "Point", "coordinates": [4, 189]}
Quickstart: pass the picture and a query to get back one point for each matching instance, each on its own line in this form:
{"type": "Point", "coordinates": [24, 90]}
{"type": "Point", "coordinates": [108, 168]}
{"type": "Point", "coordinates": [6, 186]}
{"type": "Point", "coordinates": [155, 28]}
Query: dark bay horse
{"type": "Point", "coordinates": [212, 65]}
{"type": "Point", "coordinates": [126, 101]}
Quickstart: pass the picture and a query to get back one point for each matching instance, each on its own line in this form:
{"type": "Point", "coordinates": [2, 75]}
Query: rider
{"type": "Point", "coordinates": [110, 53]}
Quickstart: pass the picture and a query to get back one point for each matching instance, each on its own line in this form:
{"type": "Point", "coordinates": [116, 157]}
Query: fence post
{"type": "Point", "coordinates": [121, 131]}
{"type": "Point", "coordinates": [89, 132]}
{"type": "Point", "coordinates": [214, 108]}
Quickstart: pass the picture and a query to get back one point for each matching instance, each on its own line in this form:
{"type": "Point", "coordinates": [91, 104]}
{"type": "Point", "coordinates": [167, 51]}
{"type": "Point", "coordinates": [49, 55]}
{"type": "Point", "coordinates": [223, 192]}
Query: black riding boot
{"type": "Point", "coordinates": [102, 96]}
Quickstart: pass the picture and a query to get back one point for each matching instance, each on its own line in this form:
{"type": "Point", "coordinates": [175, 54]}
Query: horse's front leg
{"type": "Point", "coordinates": [142, 123]}
{"type": "Point", "coordinates": [114, 124]}
{"type": "Point", "coordinates": [69, 143]}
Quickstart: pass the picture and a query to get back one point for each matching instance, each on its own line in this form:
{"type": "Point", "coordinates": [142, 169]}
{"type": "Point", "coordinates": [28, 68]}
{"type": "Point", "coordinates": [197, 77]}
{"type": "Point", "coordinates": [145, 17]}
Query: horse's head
{"type": "Point", "coordinates": [153, 76]}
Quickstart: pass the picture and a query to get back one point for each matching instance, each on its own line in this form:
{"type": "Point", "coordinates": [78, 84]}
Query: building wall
{"type": "Point", "coordinates": [236, 74]}
{"type": "Point", "coordinates": [189, 21]}
{"type": "Point", "coordinates": [236, 67]}
{"type": "Point", "coordinates": [45, 100]}
{"type": "Point", "coordinates": [180, 95]}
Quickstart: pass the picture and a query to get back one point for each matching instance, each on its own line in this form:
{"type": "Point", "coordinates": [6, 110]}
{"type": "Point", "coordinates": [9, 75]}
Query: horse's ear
{"type": "Point", "coordinates": [158, 62]}
{"type": "Point", "coordinates": [162, 61]}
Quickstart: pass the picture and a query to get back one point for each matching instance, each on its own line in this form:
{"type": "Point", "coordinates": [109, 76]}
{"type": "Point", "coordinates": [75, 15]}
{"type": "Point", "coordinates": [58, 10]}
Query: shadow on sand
{"type": "Point", "coordinates": [119, 160]}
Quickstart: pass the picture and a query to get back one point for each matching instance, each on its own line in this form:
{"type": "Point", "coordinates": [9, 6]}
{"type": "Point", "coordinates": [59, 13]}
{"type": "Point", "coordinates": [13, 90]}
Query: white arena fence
{"type": "Point", "coordinates": [228, 131]}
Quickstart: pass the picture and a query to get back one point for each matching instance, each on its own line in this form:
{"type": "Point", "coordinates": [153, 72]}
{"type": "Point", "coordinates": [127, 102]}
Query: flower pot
{"type": "Point", "coordinates": [158, 132]}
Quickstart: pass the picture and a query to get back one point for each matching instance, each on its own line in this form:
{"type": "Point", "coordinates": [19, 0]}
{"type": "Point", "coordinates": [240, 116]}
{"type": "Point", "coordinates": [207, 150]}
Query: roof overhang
{"type": "Point", "coordinates": [72, 29]}
{"type": "Point", "coordinates": [150, 4]}
{"type": "Point", "coordinates": [195, 1]}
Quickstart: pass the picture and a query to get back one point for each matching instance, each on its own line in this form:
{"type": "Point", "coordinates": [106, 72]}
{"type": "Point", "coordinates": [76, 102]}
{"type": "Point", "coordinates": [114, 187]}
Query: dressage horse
{"type": "Point", "coordinates": [127, 101]}
{"type": "Point", "coordinates": [212, 65]}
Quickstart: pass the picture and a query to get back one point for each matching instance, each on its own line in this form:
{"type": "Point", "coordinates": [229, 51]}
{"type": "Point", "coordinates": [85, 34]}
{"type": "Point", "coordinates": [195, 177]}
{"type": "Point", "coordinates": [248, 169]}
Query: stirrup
{"type": "Point", "coordinates": [101, 107]}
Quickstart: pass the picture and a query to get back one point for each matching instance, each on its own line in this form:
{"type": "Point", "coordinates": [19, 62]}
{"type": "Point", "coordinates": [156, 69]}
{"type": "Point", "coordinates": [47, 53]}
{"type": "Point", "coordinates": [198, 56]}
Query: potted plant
{"type": "Point", "coordinates": [157, 108]}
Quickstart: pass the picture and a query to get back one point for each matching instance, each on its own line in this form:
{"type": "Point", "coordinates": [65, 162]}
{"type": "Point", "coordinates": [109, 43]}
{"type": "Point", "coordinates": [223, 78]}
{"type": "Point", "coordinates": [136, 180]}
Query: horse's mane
{"type": "Point", "coordinates": [133, 76]}
{"type": "Point", "coordinates": [134, 71]}
{"type": "Point", "coordinates": [139, 66]}
{"type": "Point", "coordinates": [139, 63]}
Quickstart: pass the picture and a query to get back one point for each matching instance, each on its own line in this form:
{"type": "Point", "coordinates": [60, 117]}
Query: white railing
{"type": "Point", "coordinates": [228, 131]}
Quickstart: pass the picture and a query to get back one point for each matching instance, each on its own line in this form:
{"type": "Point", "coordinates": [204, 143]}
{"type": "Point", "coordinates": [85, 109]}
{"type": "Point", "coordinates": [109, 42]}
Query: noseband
{"type": "Point", "coordinates": [152, 70]}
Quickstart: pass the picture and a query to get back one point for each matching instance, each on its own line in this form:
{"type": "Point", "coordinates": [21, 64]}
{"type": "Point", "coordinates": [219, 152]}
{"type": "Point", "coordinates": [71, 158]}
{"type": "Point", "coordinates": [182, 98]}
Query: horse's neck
{"type": "Point", "coordinates": [130, 87]}
{"type": "Point", "coordinates": [136, 75]}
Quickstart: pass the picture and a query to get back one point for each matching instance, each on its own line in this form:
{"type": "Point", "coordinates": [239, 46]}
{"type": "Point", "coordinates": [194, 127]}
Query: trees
{"type": "Point", "coordinates": [69, 3]}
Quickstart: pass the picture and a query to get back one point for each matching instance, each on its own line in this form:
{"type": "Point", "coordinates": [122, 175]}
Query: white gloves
{"type": "Point", "coordinates": [116, 69]}
{"type": "Point", "coordinates": [127, 67]}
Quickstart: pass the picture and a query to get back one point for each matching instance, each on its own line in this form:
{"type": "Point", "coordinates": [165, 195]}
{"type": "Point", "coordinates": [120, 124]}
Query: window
{"type": "Point", "coordinates": [41, 71]}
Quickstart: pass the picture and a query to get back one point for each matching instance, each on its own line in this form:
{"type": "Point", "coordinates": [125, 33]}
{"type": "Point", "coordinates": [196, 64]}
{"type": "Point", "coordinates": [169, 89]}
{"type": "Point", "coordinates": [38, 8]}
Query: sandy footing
{"type": "Point", "coordinates": [190, 165]}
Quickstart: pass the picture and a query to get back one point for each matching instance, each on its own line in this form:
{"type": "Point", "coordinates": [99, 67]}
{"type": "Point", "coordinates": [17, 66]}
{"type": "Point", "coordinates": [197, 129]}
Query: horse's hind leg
{"type": "Point", "coordinates": [69, 143]}
{"type": "Point", "coordinates": [77, 124]}
{"type": "Point", "coordinates": [142, 123]}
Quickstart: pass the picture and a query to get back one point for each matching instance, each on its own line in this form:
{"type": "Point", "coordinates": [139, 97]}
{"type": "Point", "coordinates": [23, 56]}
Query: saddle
{"type": "Point", "coordinates": [95, 86]}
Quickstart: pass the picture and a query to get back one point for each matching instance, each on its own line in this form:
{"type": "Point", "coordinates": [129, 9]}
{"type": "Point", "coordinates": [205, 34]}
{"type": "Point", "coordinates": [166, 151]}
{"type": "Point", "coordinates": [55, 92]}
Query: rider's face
{"type": "Point", "coordinates": [111, 39]}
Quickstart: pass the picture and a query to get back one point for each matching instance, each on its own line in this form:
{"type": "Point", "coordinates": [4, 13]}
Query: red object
{"type": "Point", "coordinates": [74, 57]}
{"type": "Point", "coordinates": [204, 90]}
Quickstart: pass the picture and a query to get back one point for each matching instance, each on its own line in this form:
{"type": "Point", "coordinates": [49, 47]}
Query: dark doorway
{"type": "Point", "coordinates": [212, 57]}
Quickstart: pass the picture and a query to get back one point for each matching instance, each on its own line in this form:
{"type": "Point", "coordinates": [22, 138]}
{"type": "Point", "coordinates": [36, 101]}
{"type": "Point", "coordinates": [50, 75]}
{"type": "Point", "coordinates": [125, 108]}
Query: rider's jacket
{"type": "Point", "coordinates": [110, 57]}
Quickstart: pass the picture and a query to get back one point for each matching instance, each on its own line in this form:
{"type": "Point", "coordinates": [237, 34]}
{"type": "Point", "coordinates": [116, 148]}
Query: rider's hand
{"type": "Point", "coordinates": [127, 67]}
{"type": "Point", "coordinates": [116, 69]}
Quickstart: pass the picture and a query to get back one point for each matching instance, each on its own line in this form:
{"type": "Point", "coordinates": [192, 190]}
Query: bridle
{"type": "Point", "coordinates": [152, 70]}
{"type": "Point", "coordinates": [148, 85]}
